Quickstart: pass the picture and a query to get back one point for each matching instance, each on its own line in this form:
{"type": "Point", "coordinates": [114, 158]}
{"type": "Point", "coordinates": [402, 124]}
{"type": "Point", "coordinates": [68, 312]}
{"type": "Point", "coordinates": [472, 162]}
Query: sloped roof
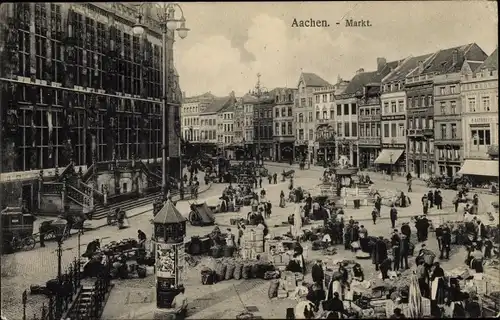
{"type": "Point", "coordinates": [491, 63]}
{"type": "Point", "coordinates": [442, 60]}
{"type": "Point", "coordinates": [217, 105]}
{"type": "Point", "coordinates": [313, 80]}
{"type": "Point", "coordinates": [248, 98]}
{"type": "Point", "coordinates": [405, 68]}
{"type": "Point", "coordinates": [474, 65]}
{"type": "Point", "coordinates": [169, 214]}
{"type": "Point", "coordinates": [364, 78]}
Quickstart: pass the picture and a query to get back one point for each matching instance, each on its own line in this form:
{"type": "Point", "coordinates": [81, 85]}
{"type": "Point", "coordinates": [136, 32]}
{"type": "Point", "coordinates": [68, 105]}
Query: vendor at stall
{"type": "Point", "coordinates": [357, 273]}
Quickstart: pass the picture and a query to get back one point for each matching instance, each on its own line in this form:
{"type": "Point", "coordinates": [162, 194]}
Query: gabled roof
{"type": "Point", "coordinates": [363, 78]}
{"type": "Point", "coordinates": [217, 105]}
{"type": "Point", "coordinates": [442, 60]}
{"type": "Point", "coordinates": [491, 63]}
{"type": "Point", "coordinates": [313, 80]}
{"type": "Point", "coordinates": [474, 65]}
{"type": "Point", "coordinates": [405, 68]}
{"type": "Point", "coordinates": [204, 96]}
{"type": "Point", "coordinates": [168, 214]}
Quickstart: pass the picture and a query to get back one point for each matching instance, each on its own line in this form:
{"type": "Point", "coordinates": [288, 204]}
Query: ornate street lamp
{"type": "Point", "coordinates": [166, 13]}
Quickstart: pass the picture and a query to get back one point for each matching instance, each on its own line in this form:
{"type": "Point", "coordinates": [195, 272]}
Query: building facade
{"type": "Point", "coordinates": [263, 126]}
{"type": "Point", "coordinates": [420, 101]}
{"type": "Point", "coordinates": [80, 86]}
{"type": "Point", "coordinates": [283, 124]}
{"type": "Point", "coordinates": [448, 124]}
{"type": "Point", "coordinates": [304, 113]}
{"type": "Point", "coordinates": [225, 131]}
{"type": "Point", "coordinates": [369, 126]}
{"type": "Point", "coordinates": [190, 115]}
{"type": "Point", "coordinates": [479, 94]}
{"type": "Point", "coordinates": [248, 102]}
{"type": "Point", "coordinates": [394, 106]}
{"type": "Point", "coordinates": [212, 134]}
{"type": "Point", "coordinates": [324, 99]}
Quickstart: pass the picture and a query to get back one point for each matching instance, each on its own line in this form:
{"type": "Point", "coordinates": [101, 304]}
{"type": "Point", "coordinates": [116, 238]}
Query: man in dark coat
{"type": "Point", "coordinates": [406, 230]}
{"type": "Point", "coordinates": [394, 215]}
{"type": "Point", "coordinates": [430, 197]}
{"type": "Point", "coordinates": [317, 273]}
{"type": "Point", "coordinates": [380, 252]}
{"type": "Point", "coordinates": [404, 251]}
{"type": "Point", "coordinates": [378, 204]}
{"type": "Point", "coordinates": [438, 199]}
{"type": "Point", "coordinates": [395, 243]}
{"type": "Point", "coordinates": [445, 244]}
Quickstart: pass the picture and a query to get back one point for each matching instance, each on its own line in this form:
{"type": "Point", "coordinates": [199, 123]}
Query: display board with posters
{"type": "Point", "coordinates": [170, 261]}
{"type": "Point", "coordinates": [165, 260]}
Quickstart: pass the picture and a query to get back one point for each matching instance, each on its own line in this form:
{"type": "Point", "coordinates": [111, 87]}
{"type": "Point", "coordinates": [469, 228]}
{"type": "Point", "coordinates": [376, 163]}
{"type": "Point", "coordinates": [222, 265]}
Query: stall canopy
{"type": "Point", "coordinates": [385, 156]}
{"type": "Point", "coordinates": [487, 168]}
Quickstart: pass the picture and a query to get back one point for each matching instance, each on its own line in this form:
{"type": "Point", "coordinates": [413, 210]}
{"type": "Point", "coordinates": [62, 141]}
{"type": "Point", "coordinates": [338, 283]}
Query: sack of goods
{"type": "Point", "coordinates": [230, 272]}
{"type": "Point", "coordinates": [271, 275]}
{"type": "Point", "coordinates": [220, 271]}
{"type": "Point", "coordinates": [238, 268]}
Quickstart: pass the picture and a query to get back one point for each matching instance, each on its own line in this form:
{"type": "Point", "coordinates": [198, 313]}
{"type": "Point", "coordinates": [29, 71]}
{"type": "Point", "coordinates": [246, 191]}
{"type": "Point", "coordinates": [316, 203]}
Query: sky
{"type": "Point", "coordinates": [230, 42]}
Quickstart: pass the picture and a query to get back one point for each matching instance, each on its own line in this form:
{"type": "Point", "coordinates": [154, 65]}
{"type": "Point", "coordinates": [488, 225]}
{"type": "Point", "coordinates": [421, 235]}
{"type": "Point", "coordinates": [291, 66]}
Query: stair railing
{"type": "Point", "coordinates": [80, 197]}
{"type": "Point", "coordinates": [65, 171]}
{"type": "Point", "coordinates": [52, 188]}
{"type": "Point", "coordinates": [88, 173]}
{"type": "Point", "coordinates": [94, 193]}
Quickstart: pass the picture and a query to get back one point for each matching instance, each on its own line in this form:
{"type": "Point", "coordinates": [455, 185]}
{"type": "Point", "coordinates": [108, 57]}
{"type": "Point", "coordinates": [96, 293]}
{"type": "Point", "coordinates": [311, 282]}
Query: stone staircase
{"type": "Point", "coordinates": [102, 211]}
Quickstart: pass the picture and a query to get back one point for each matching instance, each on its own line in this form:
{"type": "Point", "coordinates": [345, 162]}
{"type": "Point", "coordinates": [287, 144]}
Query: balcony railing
{"type": "Point", "coordinates": [325, 139]}
{"type": "Point", "coordinates": [428, 132]}
{"type": "Point", "coordinates": [369, 101]}
{"type": "Point", "coordinates": [370, 141]}
{"type": "Point", "coordinates": [368, 118]}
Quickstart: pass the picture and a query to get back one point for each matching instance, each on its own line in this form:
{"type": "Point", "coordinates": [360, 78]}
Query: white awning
{"type": "Point", "coordinates": [387, 154]}
{"type": "Point", "coordinates": [488, 168]}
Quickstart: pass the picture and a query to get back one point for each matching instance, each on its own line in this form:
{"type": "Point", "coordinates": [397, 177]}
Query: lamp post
{"type": "Point", "coordinates": [59, 227]}
{"type": "Point", "coordinates": [390, 165]}
{"type": "Point", "coordinates": [169, 24]}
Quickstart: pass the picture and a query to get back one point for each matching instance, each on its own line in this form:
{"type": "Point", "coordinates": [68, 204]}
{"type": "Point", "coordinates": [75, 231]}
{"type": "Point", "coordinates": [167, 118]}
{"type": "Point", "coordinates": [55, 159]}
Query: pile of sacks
{"type": "Point", "coordinates": [227, 269]}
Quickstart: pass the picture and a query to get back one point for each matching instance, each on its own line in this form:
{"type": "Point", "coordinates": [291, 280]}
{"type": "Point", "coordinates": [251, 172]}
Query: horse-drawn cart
{"type": "Point", "coordinates": [17, 229]}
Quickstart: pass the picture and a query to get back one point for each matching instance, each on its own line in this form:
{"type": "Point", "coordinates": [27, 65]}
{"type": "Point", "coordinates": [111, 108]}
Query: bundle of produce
{"type": "Point", "coordinates": [330, 251]}
{"type": "Point", "coordinates": [246, 270]}
{"type": "Point", "coordinates": [238, 268]}
{"type": "Point", "coordinates": [362, 255]}
{"type": "Point", "coordinates": [272, 275]}
{"type": "Point", "coordinates": [317, 245]}
{"type": "Point", "coordinates": [273, 289]}
{"type": "Point", "coordinates": [230, 272]}
{"type": "Point", "coordinates": [263, 268]}
{"type": "Point", "coordinates": [245, 316]}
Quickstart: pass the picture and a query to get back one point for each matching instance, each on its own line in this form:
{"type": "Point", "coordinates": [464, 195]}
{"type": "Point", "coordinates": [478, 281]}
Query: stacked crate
{"type": "Point", "coordinates": [252, 243]}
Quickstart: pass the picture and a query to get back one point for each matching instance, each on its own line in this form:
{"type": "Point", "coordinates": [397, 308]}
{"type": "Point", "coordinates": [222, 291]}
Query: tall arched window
{"type": "Point", "coordinates": [301, 117]}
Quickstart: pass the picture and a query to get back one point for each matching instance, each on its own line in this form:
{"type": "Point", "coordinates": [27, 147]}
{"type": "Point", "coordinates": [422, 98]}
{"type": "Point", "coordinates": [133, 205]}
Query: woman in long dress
{"type": "Point", "coordinates": [438, 290]}
{"type": "Point", "coordinates": [297, 221]}
{"type": "Point", "coordinates": [282, 199]}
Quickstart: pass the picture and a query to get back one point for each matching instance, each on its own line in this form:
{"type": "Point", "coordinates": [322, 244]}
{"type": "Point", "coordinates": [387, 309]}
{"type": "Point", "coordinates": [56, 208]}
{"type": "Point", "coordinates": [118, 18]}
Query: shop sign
{"type": "Point", "coordinates": [393, 146]}
{"type": "Point", "coordinates": [484, 120]}
{"type": "Point", "coordinates": [395, 117]}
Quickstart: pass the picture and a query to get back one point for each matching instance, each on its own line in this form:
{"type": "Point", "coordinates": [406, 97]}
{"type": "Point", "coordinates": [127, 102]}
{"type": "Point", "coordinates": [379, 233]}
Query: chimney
{"type": "Point", "coordinates": [420, 66]}
{"type": "Point", "coordinates": [360, 70]}
{"type": "Point", "coordinates": [381, 62]}
{"type": "Point", "coordinates": [455, 57]}
{"type": "Point", "coordinates": [339, 79]}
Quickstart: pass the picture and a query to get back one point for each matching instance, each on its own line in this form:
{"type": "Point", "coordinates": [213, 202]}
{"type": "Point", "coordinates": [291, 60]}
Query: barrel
{"type": "Point", "coordinates": [228, 251]}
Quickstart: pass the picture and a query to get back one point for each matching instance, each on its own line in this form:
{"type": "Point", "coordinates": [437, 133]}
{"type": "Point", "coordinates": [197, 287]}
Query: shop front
{"type": "Point", "coordinates": [301, 151]}
{"type": "Point", "coordinates": [391, 161]}
{"type": "Point", "coordinates": [283, 151]}
{"type": "Point", "coordinates": [480, 171]}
